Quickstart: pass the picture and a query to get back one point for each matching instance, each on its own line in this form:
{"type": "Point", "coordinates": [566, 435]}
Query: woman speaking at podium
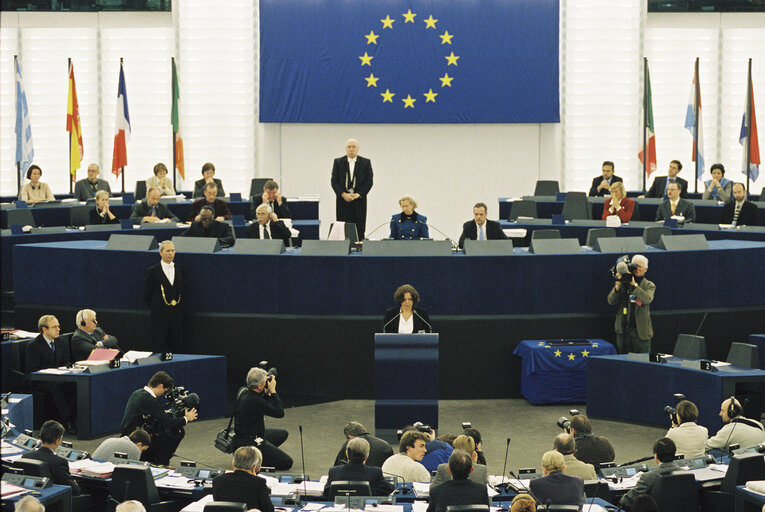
{"type": "Point", "coordinates": [405, 318]}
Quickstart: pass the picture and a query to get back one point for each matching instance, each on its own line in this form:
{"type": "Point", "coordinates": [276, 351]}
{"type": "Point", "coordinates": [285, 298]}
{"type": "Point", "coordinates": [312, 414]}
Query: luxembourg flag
{"type": "Point", "coordinates": [748, 137]}
{"type": "Point", "coordinates": [122, 130]}
{"type": "Point", "coordinates": [692, 118]}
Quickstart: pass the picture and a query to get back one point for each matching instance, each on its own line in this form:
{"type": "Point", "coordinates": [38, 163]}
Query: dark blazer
{"type": "Point", "coordinates": [243, 487]}
{"type": "Point", "coordinates": [248, 423]}
{"type": "Point", "coordinates": [199, 188]}
{"type": "Point", "coordinates": [558, 488]}
{"type": "Point", "coordinates": [684, 208]}
{"type": "Point", "coordinates": [594, 192]}
{"type": "Point", "coordinates": [84, 191]}
{"type": "Point", "coordinates": [592, 449]}
{"type": "Point", "coordinates": [362, 173]}
{"type": "Point", "coordinates": [278, 230]}
{"type": "Point", "coordinates": [94, 217]}
{"type": "Point", "coordinates": [153, 282]}
{"type": "Point", "coordinates": [84, 343]}
{"type": "Point", "coordinates": [421, 320]}
{"type": "Point", "coordinates": [379, 451]}
{"type": "Point", "coordinates": [457, 492]}
{"type": "Point", "coordinates": [280, 210]}
{"type": "Point", "coordinates": [142, 209]}
{"type": "Point", "coordinates": [362, 473]}
{"type": "Point", "coordinates": [141, 404]}
{"type": "Point", "coordinates": [58, 467]}
{"type": "Point", "coordinates": [646, 484]}
{"type": "Point", "coordinates": [405, 228]}
{"type": "Point", "coordinates": [220, 209]}
{"type": "Point", "coordinates": [660, 184]}
{"type": "Point", "coordinates": [39, 355]}
{"type": "Point", "coordinates": [219, 230]}
{"type": "Point", "coordinates": [470, 231]}
{"type": "Point", "coordinates": [625, 214]}
{"type": "Point", "coordinates": [746, 217]}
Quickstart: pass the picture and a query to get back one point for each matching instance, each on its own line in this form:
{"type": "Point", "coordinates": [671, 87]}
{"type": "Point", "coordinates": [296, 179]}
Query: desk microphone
{"type": "Point", "coordinates": [504, 466]}
{"type": "Point", "coordinates": [366, 236]}
{"type": "Point", "coordinates": [430, 327]}
{"type": "Point", "coordinates": [447, 237]}
{"type": "Point", "coordinates": [302, 458]}
{"type": "Point", "coordinates": [176, 454]}
{"type": "Point", "coordinates": [642, 459]}
{"type": "Point", "coordinates": [389, 321]}
{"type": "Point", "coordinates": [702, 323]}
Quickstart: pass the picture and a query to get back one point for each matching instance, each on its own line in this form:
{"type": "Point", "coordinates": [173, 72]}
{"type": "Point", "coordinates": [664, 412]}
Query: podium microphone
{"type": "Point", "coordinates": [447, 237]}
{"type": "Point", "coordinates": [302, 459]}
{"type": "Point", "coordinates": [430, 327]}
{"type": "Point", "coordinates": [366, 236]}
{"type": "Point", "coordinates": [389, 321]}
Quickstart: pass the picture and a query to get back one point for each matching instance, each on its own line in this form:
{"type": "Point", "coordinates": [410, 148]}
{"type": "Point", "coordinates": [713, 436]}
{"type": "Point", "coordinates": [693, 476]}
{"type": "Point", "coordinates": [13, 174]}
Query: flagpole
{"type": "Point", "coordinates": [696, 121]}
{"type": "Point", "coordinates": [645, 118]}
{"type": "Point", "coordinates": [172, 130]}
{"type": "Point", "coordinates": [749, 126]}
{"type": "Point", "coordinates": [122, 169]}
{"type": "Point", "coordinates": [18, 164]}
{"type": "Point", "coordinates": [69, 167]}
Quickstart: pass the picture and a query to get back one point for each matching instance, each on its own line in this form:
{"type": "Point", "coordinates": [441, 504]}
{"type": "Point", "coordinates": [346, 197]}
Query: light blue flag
{"type": "Point", "coordinates": [25, 151]}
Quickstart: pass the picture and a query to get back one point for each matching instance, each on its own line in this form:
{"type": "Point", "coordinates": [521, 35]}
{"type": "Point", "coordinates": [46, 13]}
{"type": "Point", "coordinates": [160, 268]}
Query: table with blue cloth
{"type": "Point", "coordinates": [20, 411]}
{"type": "Point", "coordinates": [556, 374]}
{"type": "Point", "coordinates": [622, 388]}
{"type": "Point", "coordinates": [102, 397]}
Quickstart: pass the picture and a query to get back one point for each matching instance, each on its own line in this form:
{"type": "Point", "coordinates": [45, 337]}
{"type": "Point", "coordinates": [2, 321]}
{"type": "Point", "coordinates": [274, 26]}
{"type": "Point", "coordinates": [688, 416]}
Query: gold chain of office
{"type": "Point", "coordinates": [172, 302]}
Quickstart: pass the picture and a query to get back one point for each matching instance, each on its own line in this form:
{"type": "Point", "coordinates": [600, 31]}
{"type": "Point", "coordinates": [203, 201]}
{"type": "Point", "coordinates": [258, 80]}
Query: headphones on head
{"type": "Point", "coordinates": [522, 496]}
{"type": "Point", "coordinates": [734, 408]}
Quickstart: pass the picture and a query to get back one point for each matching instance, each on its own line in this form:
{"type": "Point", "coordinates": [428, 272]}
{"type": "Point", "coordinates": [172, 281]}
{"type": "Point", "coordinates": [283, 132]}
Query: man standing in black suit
{"type": "Point", "coordinates": [459, 490]}
{"type": "Point", "coordinates": [480, 228]}
{"type": "Point", "coordinates": [659, 186]}
{"type": "Point", "coordinates": [51, 435]}
{"type": "Point", "coordinates": [208, 227]}
{"type": "Point", "coordinates": [379, 450]}
{"type": "Point", "coordinates": [352, 181]}
{"type": "Point", "coordinates": [740, 211]}
{"type": "Point", "coordinates": [47, 350]}
{"type": "Point", "coordinates": [163, 292]}
{"type": "Point", "coordinates": [243, 485]}
{"type": "Point", "coordinates": [357, 452]}
{"type": "Point", "coordinates": [267, 226]}
{"type": "Point", "coordinates": [601, 185]}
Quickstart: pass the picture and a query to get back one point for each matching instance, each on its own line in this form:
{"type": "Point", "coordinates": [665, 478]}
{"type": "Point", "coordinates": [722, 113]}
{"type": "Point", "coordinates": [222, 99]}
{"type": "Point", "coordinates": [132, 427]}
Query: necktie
{"type": "Point", "coordinates": [153, 211]}
{"type": "Point", "coordinates": [53, 347]}
{"type": "Point", "coordinates": [266, 236]}
{"type": "Point", "coordinates": [481, 235]}
{"type": "Point", "coordinates": [735, 213]}
{"type": "Point", "coordinates": [674, 207]}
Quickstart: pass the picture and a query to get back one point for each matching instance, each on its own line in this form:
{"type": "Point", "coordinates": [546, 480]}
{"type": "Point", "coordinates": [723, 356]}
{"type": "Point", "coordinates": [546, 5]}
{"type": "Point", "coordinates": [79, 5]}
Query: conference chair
{"type": "Point", "coordinates": [595, 233]}
{"type": "Point", "coordinates": [636, 211]}
{"type": "Point", "coordinates": [545, 234]}
{"type": "Point", "coordinates": [256, 187]}
{"type": "Point", "coordinates": [677, 492]}
{"type": "Point", "coordinates": [21, 217]}
{"type": "Point", "coordinates": [79, 215]}
{"type": "Point", "coordinates": [742, 469]}
{"type": "Point", "coordinates": [597, 489]}
{"type": "Point", "coordinates": [140, 190]}
{"type": "Point", "coordinates": [762, 195]}
{"type": "Point", "coordinates": [33, 467]}
{"type": "Point", "coordinates": [231, 225]}
{"type": "Point", "coordinates": [546, 188]}
{"type": "Point", "coordinates": [225, 506]}
{"type": "Point", "coordinates": [131, 482]}
{"type": "Point", "coordinates": [743, 354]}
{"type": "Point", "coordinates": [350, 231]}
{"type": "Point", "coordinates": [652, 234]}
{"type": "Point", "coordinates": [690, 346]}
{"type": "Point", "coordinates": [523, 209]}
{"type": "Point", "coordinates": [349, 488]}
{"type": "Point", "coordinates": [576, 206]}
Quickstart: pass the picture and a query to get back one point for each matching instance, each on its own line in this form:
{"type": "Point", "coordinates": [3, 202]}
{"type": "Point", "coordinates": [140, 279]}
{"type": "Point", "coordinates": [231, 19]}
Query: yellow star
{"type": "Point", "coordinates": [558, 353]}
{"type": "Point", "coordinates": [451, 59]}
{"type": "Point", "coordinates": [387, 96]}
{"type": "Point", "coordinates": [446, 80]}
{"type": "Point", "coordinates": [430, 22]}
{"type": "Point", "coordinates": [372, 37]}
{"type": "Point", "coordinates": [409, 16]}
{"type": "Point", "coordinates": [367, 59]}
{"type": "Point", "coordinates": [585, 353]}
{"type": "Point", "coordinates": [430, 96]}
{"type": "Point", "coordinates": [408, 101]}
{"type": "Point", "coordinates": [446, 38]}
{"type": "Point", "coordinates": [371, 80]}
{"type": "Point", "coordinates": [541, 343]}
{"type": "Point", "coordinates": [595, 345]}
{"type": "Point", "coordinates": [571, 357]}
{"type": "Point", "coordinates": [388, 22]}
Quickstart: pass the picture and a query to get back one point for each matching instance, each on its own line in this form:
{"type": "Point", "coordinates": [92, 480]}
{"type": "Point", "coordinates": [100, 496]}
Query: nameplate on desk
{"type": "Point", "coordinates": [154, 358]}
{"type": "Point", "coordinates": [634, 356]}
{"type": "Point", "coordinates": [97, 368]}
{"type": "Point", "coordinates": [699, 364]}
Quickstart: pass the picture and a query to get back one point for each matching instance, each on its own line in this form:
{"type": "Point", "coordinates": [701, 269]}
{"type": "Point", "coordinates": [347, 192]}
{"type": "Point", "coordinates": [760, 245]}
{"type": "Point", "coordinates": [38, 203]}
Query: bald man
{"type": "Point", "coordinates": [736, 429]}
{"type": "Point", "coordinates": [352, 181]}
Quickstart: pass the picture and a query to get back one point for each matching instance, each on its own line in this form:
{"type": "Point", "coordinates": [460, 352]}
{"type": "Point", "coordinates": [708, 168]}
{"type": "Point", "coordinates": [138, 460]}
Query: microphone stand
{"type": "Point", "coordinates": [504, 466]}
{"type": "Point", "coordinates": [447, 237]}
{"type": "Point", "coordinates": [302, 459]}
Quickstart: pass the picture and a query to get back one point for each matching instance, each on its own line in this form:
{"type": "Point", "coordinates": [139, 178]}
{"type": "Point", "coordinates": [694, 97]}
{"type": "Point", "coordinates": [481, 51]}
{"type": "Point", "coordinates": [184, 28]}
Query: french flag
{"type": "Point", "coordinates": [122, 127]}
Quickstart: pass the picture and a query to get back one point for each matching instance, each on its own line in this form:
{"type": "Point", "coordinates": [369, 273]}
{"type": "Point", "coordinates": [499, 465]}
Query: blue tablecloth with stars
{"type": "Point", "coordinates": [555, 374]}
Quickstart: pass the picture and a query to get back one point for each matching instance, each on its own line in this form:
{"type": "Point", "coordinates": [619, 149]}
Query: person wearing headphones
{"type": "Point", "coordinates": [89, 336]}
{"type": "Point", "coordinates": [268, 226]}
{"type": "Point", "coordinates": [737, 429]}
{"type": "Point", "coordinates": [523, 503]}
{"type": "Point", "coordinates": [689, 437]}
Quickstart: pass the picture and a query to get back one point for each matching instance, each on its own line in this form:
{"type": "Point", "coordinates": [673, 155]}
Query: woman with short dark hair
{"type": "Point", "coordinates": [687, 435]}
{"type": "Point", "coordinates": [406, 319]}
{"type": "Point", "coordinates": [35, 191]}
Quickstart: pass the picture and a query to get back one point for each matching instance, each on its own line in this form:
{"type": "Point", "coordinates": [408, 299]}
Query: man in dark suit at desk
{"type": "Point", "coordinates": [151, 210]}
{"type": "Point", "coordinates": [208, 227]}
{"type": "Point", "coordinates": [590, 448]}
{"type": "Point", "coordinates": [481, 228]}
{"type": "Point", "coordinates": [660, 183]}
{"type": "Point", "coordinates": [51, 435]}
{"type": "Point", "coordinates": [379, 450]}
{"type": "Point", "coordinates": [739, 211]}
{"type": "Point", "coordinates": [459, 490]}
{"type": "Point", "coordinates": [352, 180]}
{"type": "Point", "coordinates": [267, 226]}
{"type": "Point", "coordinates": [273, 198]}
{"type": "Point", "coordinates": [86, 188]}
{"type": "Point", "coordinates": [243, 485]}
{"type": "Point", "coordinates": [89, 336]}
{"type": "Point", "coordinates": [218, 206]}
{"type": "Point", "coordinates": [601, 185]}
{"type": "Point", "coordinates": [676, 205]}
{"type": "Point", "coordinates": [664, 455]}
{"type": "Point", "coordinates": [163, 292]}
{"type": "Point", "coordinates": [556, 487]}
{"type": "Point", "coordinates": [47, 350]}
{"type": "Point", "coordinates": [356, 470]}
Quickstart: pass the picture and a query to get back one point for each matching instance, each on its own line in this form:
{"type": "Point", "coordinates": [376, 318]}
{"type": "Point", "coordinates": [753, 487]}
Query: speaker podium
{"type": "Point", "coordinates": [406, 382]}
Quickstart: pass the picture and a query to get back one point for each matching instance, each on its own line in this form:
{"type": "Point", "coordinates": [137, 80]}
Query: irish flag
{"type": "Point", "coordinates": [650, 165]}
{"type": "Point", "coordinates": [177, 139]}
{"type": "Point", "coordinates": [122, 127]}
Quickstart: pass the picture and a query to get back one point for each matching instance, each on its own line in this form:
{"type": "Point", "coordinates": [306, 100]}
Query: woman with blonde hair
{"type": "Point", "coordinates": [619, 204]}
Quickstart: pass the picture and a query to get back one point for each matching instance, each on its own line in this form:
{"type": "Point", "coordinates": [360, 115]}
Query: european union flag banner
{"type": "Point", "coordinates": [396, 61]}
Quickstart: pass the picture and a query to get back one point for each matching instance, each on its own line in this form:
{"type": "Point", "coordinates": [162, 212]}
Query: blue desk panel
{"type": "Point", "coordinates": [363, 285]}
{"type": "Point", "coordinates": [20, 413]}
{"type": "Point", "coordinates": [556, 374]}
{"type": "Point", "coordinates": [637, 391]}
{"type": "Point", "coordinates": [56, 498]}
{"type": "Point", "coordinates": [759, 340]}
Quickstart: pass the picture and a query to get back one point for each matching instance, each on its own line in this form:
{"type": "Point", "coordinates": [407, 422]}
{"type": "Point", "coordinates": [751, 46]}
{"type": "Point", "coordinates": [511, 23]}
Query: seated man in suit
{"type": "Point", "coordinates": [566, 446]}
{"type": "Point", "coordinates": [208, 176]}
{"type": "Point", "coordinates": [459, 490]}
{"type": "Point", "coordinates": [89, 336]}
{"type": "Point", "coordinates": [268, 226]}
{"type": "Point", "coordinates": [664, 455]}
{"type": "Point", "coordinates": [151, 210]}
{"type": "Point", "coordinates": [676, 205]}
{"type": "Point", "coordinates": [210, 199]}
{"type": "Point", "coordinates": [379, 450]}
{"type": "Point", "coordinates": [481, 228]}
{"type": "Point", "coordinates": [556, 487]}
{"type": "Point", "coordinates": [47, 350]}
{"type": "Point", "coordinates": [660, 183]}
{"type": "Point", "coordinates": [86, 188]}
{"type": "Point", "coordinates": [51, 435]}
{"type": "Point", "coordinates": [739, 212]}
{"type": "Point", "coordinates": [406, 463]}
{"type": "Point", "coordinates": [243, 484]}
{"type": "Point", "coordinates": [133, 445]}
{"type": "Point", "coordinates": [273, 198]}
{"type": "Point", "coordinates": [207, 227]}
{"type": "Point", "coordinates": [479, 473]}
{"type": "Point", "coordinates": [601, 185]}
{"type": "Point", "coordinates": [357, 452]}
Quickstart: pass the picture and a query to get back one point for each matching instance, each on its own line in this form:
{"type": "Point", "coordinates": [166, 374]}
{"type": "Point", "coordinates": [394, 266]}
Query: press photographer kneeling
{"type": "Point", "coordinates": [144, 410]}
{"type": "Point", "coordinates": [633, 294]}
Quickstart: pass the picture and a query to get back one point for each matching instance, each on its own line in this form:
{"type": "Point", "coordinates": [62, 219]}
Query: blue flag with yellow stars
{"type": "Point", "coordinates": [397, 61]}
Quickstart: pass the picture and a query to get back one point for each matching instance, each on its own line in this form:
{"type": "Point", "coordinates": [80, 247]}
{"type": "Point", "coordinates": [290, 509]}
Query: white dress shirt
{"type": "Point", "coordinates": [351, 166]}
{"type": "Point", "coordinates": [169, 270]}
{"type": "Point", "coordinates": [264, 229]}
{"type": "Point", "coordinates": [405, 326]}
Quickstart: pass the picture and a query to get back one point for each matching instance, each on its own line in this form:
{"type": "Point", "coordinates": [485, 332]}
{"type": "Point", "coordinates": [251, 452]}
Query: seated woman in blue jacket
{"type": "Point", "coordinates": [408, 225]}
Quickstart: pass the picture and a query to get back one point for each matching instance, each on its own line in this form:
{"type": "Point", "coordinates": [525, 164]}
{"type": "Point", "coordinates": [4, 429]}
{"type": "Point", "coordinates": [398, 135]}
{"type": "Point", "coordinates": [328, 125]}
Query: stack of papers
{"type": "Point", "coordinates": [175, 481]}
{"type": "Point", "coordinates": [54, 371]}
{"type": "Point", "coordinates": [421, 489]}
{"type": "Point", "coordinates": [91, 468]}
{"type": "Point", "coordinates": [309, 488]}
{"type": "Point", "coordinates": [132, 355]}
{"type": "Point", "coordinates": [198, 506]}
{"type": "Point", "coordinates": [20, 334]}
{"type": "Point", "coordinates": [10, 490]}
{"type": "Point", "coordinates": [757, 486]}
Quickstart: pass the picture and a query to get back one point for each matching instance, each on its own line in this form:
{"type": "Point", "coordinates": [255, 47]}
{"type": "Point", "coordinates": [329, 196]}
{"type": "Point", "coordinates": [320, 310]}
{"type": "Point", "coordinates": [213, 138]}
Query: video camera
{"type": "Point", "coordinates": [672, 411]}
{"type": "Point", "coordinates": [180, 400]}
{"type": "Point", "coordinates": [624, 267]}
{"type": "Point", "coordinates": [565, 423]}
{"type": "Point", "coordinates": [272, 372]}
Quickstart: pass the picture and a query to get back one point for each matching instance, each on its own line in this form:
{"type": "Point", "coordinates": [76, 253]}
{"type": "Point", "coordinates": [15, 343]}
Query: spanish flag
{"type": "Point", "coordinates": [73, 126]}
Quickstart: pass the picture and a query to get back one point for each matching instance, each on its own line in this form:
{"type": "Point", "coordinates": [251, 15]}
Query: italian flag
{"type": "Point", "coordinates": [650, 137]}
{"type": "Point", "coordinates": [177, 139]}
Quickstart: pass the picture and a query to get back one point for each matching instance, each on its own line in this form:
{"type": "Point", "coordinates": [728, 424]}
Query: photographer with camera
{"type": "Point", "coordinates": [633, 294]}
{"type": "Point", "coordinates": [257, 400]}
{"type": "Point", "coordinates": [144, 410]}
{"type": "Point", "coordinates": [689, 437]}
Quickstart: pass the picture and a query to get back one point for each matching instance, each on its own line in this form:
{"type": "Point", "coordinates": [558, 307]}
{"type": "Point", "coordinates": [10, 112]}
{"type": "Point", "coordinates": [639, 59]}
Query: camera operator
{"type": "Point", "coordinates": [633, 294]}
{"type": "Point", "coordinates": [144, 410]}
{"type": "Point", "coordinates": [257, 400]}
{"type": "Point", "coordinates": [689, 437]}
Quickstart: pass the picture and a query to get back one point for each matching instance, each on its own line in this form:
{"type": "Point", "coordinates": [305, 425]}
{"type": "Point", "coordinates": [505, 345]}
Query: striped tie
{"type": "Point", "coordinates": [735, 213]}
